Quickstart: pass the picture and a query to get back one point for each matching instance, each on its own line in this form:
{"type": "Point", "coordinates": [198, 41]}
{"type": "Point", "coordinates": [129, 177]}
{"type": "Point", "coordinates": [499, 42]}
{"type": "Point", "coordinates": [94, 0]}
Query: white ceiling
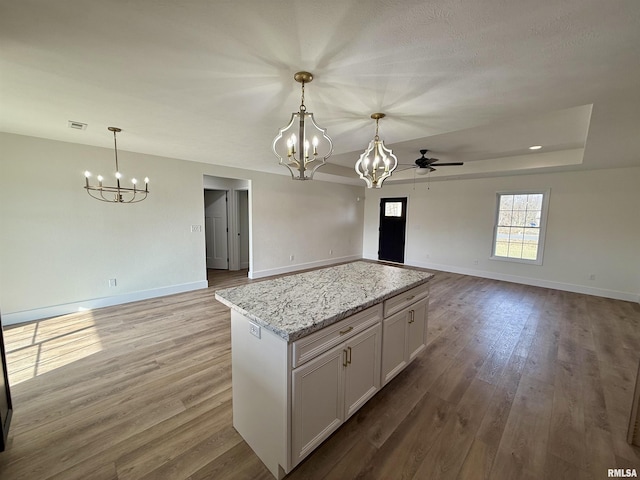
{"type": "Point", "coordinates": [212, 81]}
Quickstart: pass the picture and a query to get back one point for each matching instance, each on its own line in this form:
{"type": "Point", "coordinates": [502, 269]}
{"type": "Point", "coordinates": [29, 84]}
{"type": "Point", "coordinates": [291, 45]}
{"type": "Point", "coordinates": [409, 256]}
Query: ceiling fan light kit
{"type": "Point", "coordinates": [302, 146]}
{"type": "Point", "coordinates": [378, 162]}
{"type": "Point", "coordinates": [426, 165]}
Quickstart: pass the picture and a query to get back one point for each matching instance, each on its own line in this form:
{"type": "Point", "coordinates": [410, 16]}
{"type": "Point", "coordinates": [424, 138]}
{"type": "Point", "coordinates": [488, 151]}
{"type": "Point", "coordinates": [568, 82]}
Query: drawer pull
{"type": "Point", "coordinates": [411, 297]}
{"type": "Point", "coordinates": [344, 332]}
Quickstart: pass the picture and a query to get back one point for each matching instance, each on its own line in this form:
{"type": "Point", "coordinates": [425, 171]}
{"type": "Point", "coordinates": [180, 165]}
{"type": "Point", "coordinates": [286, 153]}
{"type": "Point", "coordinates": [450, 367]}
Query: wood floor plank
{"type": "Point", "coordinates": [566, 435]}
{"type": "Point", "coordinates": [445, 458]}
{"type": "Point", "coordinates": [404, 451]}
{"type": "Point", "coordinates": [523, 446]}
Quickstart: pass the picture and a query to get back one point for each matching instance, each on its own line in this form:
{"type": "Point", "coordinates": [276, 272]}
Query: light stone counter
{"type": "Point", "coordinates": [297, 305]}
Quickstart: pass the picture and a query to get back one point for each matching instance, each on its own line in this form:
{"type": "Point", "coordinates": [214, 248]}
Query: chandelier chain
{"type": "Point", "coordinates": [302, 107]}
{"type": "Point", "coordinates": [115, 145]}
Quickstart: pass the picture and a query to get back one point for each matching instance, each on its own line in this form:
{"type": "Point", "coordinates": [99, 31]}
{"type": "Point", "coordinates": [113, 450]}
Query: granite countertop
{"type": "Point", "coordinates": [297, 305]}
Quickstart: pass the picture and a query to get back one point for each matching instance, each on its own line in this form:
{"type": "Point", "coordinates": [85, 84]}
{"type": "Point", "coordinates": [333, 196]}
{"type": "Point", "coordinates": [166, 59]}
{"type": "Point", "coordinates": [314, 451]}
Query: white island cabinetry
{"type": "Point", "coordinates": [330, 388]}
{"type": "Point", "coordinates": [404, 331]}
{"type": "Point", "coordinates": [303, 364]}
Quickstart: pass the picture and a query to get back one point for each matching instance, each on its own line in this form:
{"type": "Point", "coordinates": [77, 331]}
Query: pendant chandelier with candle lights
{"type": "Point", "coordinates": [302, 146]}
{"type": "Point", "coordinates": [116, 193]}
{"type": "Point", "coordinates": [375, 170]}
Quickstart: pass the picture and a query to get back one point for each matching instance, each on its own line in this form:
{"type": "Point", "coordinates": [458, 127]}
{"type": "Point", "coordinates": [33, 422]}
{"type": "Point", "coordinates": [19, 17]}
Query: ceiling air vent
{"type": "Point", "coordinates": [77, 125]}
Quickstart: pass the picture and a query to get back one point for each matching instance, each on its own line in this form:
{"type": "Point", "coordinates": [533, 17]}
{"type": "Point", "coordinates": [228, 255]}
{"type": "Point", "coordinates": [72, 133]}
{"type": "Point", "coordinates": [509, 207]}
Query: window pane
{"type": "Point", "coordinates": [501, 249]}
{"type": "Point", "coordinates": [520, 202]}
{"type": "Point", "coordinates": [533, 218]}
{"type": "Point", "coordinates": [515, 235]}
{"type": "Point", "coordinates": [519, 218]}
{"type": "Point", "coordinates": [534, 201]}
{"type": "Point", "coordinates": [503, 234]}
{"type": "Point", "coordinates": [505, 218]}
{"type": "Point", "coordinates": [506, 202]}
{"type": "Point", "coordinates": [393, 209]}
{"type": "Point", "coordinates": [515, 250]}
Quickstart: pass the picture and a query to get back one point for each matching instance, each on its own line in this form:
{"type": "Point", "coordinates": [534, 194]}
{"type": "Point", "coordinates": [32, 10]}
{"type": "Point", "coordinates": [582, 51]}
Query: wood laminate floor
{"type": "Point", "coordinates": [517, 382]}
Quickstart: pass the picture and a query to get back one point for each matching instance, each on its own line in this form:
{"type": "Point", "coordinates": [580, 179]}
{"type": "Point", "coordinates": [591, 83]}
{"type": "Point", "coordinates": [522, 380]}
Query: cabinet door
{"type": "Point", "coordinates": [318, 401]}
{"type": "Point", "coordinates": [394, 345]}
{"type": "Point", "coordinates": [362, 374]}
{"type": "Point", "coordinates": [417, 338]}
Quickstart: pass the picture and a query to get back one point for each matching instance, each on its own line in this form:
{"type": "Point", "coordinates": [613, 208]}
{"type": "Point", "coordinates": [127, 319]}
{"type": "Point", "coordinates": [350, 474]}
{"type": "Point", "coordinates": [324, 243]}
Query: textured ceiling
{"type": "Point", "coordinates": [212, 81]}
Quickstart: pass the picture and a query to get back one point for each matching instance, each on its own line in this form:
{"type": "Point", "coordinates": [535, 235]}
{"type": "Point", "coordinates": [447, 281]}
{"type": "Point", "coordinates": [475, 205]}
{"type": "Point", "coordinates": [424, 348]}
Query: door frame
{"type": "Point", "coordinates": [237, 217]}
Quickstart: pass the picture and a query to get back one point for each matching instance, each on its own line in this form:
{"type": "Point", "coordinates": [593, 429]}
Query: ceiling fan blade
{"type": "Point", "coordinates": [405, 168]}
{"type": "Point", "coordinates": [447, 164]}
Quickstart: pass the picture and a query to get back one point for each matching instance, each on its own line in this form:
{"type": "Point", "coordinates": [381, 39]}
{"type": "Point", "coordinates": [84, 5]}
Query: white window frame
{"type": "Point", "coordinates": [546, 193]}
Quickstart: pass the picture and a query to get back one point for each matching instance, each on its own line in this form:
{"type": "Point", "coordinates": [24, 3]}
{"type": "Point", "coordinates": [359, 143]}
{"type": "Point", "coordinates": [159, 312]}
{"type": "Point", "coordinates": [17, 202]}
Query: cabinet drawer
{"type": "Point", "coordinates": [318, 342]}
{"type": "Point", "coordinates": [399, 302]}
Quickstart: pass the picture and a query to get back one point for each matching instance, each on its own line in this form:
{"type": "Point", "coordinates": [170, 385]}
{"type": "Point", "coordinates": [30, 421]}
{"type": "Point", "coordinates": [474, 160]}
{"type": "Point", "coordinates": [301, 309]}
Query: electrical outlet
{"type": "Point", "coordinates": [254, 329]}
{"type": "Point", "coordinates": [330, 251]}
{"type": "Point", "coordinates": [592, 276]}
{"type": "Point", "coordinates": [196, 228]}
{"type": "Point", "coordinates": [291, 258]}
{"type": "Point", "coordinates": [112, 282]}
{"type": "Point", "coordinates": [475, 262]}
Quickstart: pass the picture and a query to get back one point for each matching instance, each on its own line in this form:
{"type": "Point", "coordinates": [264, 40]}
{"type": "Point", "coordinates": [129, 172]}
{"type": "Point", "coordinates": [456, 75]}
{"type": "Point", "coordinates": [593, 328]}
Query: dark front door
{"type": "Point", "coordinates": [393, 222]}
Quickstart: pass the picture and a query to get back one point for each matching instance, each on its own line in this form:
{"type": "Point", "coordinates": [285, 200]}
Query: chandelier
{"type": "Point", "coordinates": [117, 193]}
{"type": "Point", "coordinates": [384, 162]}
{"type": "Point", "coordinates": [302, 146]}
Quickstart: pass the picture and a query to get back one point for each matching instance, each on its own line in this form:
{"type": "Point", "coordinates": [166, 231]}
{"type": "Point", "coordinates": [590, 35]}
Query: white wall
{"type": "Point", "coordinates": [316, 222]}
{"type": "Point", "coordinates": [593, 228]}
{"type": "Point", "coordinates": [59, 247]}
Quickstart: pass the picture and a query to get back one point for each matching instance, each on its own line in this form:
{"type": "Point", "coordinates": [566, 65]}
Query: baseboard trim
{"type": "Point", "coordinates": [302, 266]}
{"type": "Point", "coordinates": [535, 282]}
{"type": "Point", "coordinates": [64, 309]}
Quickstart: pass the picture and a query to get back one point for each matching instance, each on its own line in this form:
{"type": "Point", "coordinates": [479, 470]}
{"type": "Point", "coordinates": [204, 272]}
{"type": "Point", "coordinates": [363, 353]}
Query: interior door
{"type": "Point", "coordinates": [216, 229]}
{"type": "Point", "coordinates": [392, 231]}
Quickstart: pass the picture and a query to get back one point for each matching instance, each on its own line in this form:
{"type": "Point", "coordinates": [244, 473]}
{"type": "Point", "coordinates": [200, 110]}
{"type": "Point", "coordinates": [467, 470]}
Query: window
{"type": "Point", "coordinates": [520, 224]}
{"type": "Point", "coordinates": [393, 209]}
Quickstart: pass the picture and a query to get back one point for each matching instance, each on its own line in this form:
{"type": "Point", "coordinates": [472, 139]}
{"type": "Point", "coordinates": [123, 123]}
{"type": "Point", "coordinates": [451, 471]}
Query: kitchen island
{"type": "Point", "coordinates": [308, 350]}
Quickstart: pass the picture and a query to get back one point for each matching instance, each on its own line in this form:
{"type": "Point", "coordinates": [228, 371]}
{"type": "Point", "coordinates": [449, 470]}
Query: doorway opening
{"type": "Point", "coordinates": [392, 231]}
{"type": "Point", "coordinates": [227, 229]}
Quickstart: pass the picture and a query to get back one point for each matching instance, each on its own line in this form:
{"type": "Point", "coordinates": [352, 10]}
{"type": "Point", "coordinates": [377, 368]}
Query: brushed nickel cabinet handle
{"type": "Point", "coordinates": [344, 332]}
{"type": "Point", "coordinates": [349, 355]}
{"type": "Point", "coordinates": [411, 297]}
{"type": "Point", "coordinates": [344, 358]}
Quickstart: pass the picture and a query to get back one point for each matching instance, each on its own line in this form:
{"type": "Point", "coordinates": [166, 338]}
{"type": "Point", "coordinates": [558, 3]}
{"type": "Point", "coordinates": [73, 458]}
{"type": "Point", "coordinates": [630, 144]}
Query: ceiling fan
{"type": "Point", "coordinates": [425, 165]}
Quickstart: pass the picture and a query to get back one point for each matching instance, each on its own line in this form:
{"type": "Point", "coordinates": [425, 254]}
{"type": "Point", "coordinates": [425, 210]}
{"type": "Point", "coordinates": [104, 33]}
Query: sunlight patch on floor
{"type": "Point", "coordinates": [43, 346]}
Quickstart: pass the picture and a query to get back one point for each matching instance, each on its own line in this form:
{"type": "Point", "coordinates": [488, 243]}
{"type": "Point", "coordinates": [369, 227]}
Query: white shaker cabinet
{"type": "Point", "coordinates": [330, 388]}
{"type": "Point", "coordinates": [404, 335]}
